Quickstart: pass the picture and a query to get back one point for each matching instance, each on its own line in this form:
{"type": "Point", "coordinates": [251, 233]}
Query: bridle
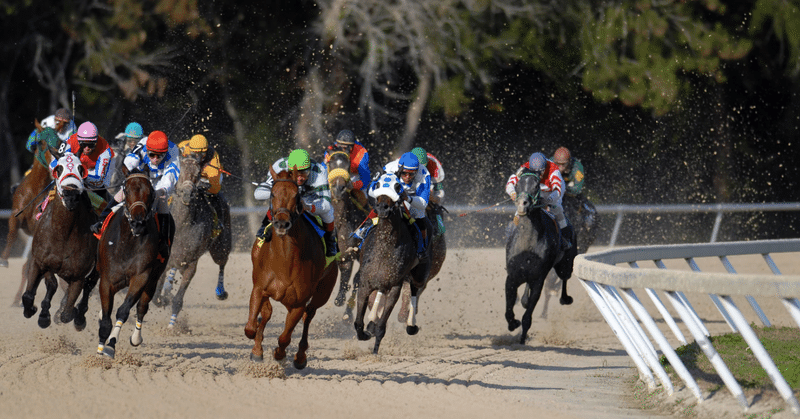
{"type": "Point", "coordinates": [533, 196]}
{"type": "Point", "coordinates": [138, 203]}
{"type": "Point", "coordinates": [283, 210]}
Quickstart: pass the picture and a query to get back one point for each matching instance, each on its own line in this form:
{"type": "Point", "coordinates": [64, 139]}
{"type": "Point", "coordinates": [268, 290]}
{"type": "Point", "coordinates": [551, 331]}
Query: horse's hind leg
{"type": "Point", "coordinates": [67, 313]}
{"type": "Point", "coordinates": [565, 299]}
{"type": "Point", "coordinates": [34, 277]}
{"type": "Point", "coordinates": [83, 306]}
{"type": "Point", "coordinates": [361, 310]}
{"type": "Point", "coordinates": [345, 270]}
{"type": "Point", "coordinates": [177, 301]}
{"type": "Point", "coordinates": [220, 290]}
{"type": "Point", "coordinates": [511, 299]}
{"type": "Point", "coordinates": [220, 250]}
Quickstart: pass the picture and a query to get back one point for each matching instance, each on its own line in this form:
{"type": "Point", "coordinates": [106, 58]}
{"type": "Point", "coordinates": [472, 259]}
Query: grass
{"type": "Point", "coordinates": [782, 344]}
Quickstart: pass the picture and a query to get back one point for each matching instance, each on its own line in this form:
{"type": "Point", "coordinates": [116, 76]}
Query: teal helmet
{"type": "Point", "coordinates": [421, 154]}
{"type": "Point", "coordinates": [134, 130]}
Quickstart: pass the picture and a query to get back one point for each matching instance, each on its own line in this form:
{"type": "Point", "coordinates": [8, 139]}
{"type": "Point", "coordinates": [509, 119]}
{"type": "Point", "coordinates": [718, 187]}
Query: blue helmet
{"type": "Point", "coordinates": [134, 130]}
{"type": "Point", "coordinates": [409, 161]}
{"type": "Point", "coordinates": [537, 162]}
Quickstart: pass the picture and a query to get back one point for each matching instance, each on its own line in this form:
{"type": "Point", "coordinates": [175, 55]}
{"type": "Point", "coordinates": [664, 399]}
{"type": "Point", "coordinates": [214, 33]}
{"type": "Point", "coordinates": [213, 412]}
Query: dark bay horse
{"type": "Point", "coordinates": [291, 269]}
{"type": "Point", "coordinates": [64, 245]}
{"type": "Point", "coordinates": [25, 203]}
{"type": "Point", "coordinates": [388, 259]}
{"type": "Point", "coordinates": [128, 256]}
{"type": "Point", "coordinates": [348, 214]}
{"type": "Point", "coordinates": [194, 235]}
{"type": "Point", "coordinates": [533, 248]}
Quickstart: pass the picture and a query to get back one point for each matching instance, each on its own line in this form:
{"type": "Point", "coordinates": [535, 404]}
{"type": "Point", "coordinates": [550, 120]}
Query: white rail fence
{"type": "Point", "coordinates": [611, 288]}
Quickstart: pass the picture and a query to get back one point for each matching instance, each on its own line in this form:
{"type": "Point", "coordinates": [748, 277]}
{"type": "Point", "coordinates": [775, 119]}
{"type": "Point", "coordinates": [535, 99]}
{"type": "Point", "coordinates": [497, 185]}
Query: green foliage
{"type": "Point", "coordinates": [785, 19]}
{"type": "Point", "coordinates": [450, 98]}
{"type": "Point", "coordinates": [782, 343]}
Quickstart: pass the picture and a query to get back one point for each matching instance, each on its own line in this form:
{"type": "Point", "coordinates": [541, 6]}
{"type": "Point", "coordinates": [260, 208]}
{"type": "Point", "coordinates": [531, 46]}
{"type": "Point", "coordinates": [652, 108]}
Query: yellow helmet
{"type": "Point", "coordinates": [198, 144]}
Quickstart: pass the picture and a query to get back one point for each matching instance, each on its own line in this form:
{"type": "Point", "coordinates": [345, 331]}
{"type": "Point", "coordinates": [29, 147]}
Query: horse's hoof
{"type": "Point", "coordinates": [522, 339]}
{"type": "Point", "coordinates": [256, 358]}
{"type": "Point", "coordinates": [513, 325]}
{"type": "Point", "coordinates": [278, 354]}
{"type": "Point", "coordinates": [300, 365]}
{"type": "Point", "coordinates": [80, 323]}
{"type": "Point", "coordinates": [412, 330]}
{"type": "Point", "coordinates": [3, 263]}
{"type": "Point", "coordinates": [566, 300]}
{"type": "Point", "coordinates": [29, 312]}
{"type": "Point", "coordinates": [221, 293]}
{"type": "Point", "coordinates": [65, 316]}
{"type": "Point", "coordinates": [348, 314]}
{"type": "Point", "coordinates": [371, 329]}
{"type": "Point", "coordinates": [44, 322]}
{"type": "Point", "coordinates": [361, 335]}
{"type": "Point", "coordinates": [109, 351]}
{"type": "Point", "coordinates": [339, 301]}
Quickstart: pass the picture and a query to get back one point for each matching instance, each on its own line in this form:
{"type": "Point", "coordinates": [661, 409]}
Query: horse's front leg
{"type": "Point", "coordinates": [107, 292]}
{"type": "Point", "coordinates": [51, 286]}
{"type": "Point", "coordinates": [292, 318]}
{"type": "Point", "coordinates": [411, 309]}
{"type": "Point", "coordinates": [67, 311]}
{"type": "Point", "coordinates": [220, 290]}
{"type": "Point", "coordinates": [83, 306]}
{"type": "Point", "coordinates": [511, 299]}
{"type": "Point", "coordinates": [124, 310]}
{"type": "Point", "coordinates": [536, 292]}
{"type": "Point", "coordinates": [380, 326]}
{"type": "Point", "coordinates": [257, 353]}
{"type": "Point", "coordinates": [345, 270]}
{"type": "Point", "coordinates": [257, 299]}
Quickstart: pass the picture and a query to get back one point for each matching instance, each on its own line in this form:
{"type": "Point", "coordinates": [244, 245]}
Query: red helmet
{"type": "Point", "coordinates": [561, 156]}
{"type": "Point", "coordinates": [157, 142]}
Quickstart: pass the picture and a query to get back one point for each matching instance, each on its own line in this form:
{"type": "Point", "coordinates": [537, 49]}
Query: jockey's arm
{"type": "Point", "coordinates": [422, 192]}
{"type": "Point", "coordinates": [211, 171]}
{"type": "Point", "coordinates": [511, 185]}
{"type": "Point", "coordinates": [169, 179]}
{"type": "Point", "coordinates": [363, 173]}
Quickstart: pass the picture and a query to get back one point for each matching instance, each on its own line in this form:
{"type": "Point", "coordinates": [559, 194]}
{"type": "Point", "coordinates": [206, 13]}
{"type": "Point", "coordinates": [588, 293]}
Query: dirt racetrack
{"type": "Point", "coordinates": [463, 364]}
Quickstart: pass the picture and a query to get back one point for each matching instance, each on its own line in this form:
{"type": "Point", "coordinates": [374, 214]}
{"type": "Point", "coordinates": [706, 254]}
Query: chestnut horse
{"type": "Point", "coordinates": [348, 214]}
{"type": "Point", "coordinates": [64, 245]}
{"type": "Point", "coordinates": [533, 248]}
{"type": "Point", "coordinates": [128, 256]}
{"type": "Point", "coordinates": [291, 269]}
{"type": "Point", "coordinates": [194, 235]}
{"type": "Point", "coordinates": [388, 259]}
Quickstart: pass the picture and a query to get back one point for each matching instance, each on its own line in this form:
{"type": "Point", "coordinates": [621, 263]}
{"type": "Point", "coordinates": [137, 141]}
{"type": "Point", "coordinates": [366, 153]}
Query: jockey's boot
{"type": "Point", "coordinates": [566, 235]}
{"type": "Point", "coordinates": [265, 231]}
{"type": "Point", "coordinates": [422, 243]}
{"type": "Point", "coordinates": [218, 202]}
{"type": "Point", "coordinates": [166, 234]}
{"type": "Point", "coordinates": [331, 248]}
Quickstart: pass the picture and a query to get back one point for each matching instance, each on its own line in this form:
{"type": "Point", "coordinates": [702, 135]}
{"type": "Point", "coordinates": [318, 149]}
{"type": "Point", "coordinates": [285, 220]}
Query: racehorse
{"type": "Point", "coordinates": [25, 202]}
{"type": "Point", "coordinates": [533, 248]}
{"type": "Point", "coordinates": [388, 258]}
{"type": "Point", "coordinates": [292, 269]}
{"type": "Point", "coordinates": [64, 245]}
{"type": "Point", "coordinates": [348, 214]}
{"type": "Point", "coordinates": [128, 256]}
{"type": "Point", "coordinates": [583, 216]}
{"type": "Point", "coordinates": [194, 235]}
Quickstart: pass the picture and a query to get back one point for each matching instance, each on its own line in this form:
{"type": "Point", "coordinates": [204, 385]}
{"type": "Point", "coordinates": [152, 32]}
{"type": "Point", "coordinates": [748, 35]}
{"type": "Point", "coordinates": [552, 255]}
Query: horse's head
{"type": "Point", "coordinates": [187, 181]}
{"type": "Point", "coordinates": [527, 192]}
{"type": "Point", "coordinates": [69, 174]}
{"type": "Point", "coordinates": [387, 191]}
{"type": "Point", "coordinates": [339, 174]}
{"type": "Point", "coordinates": [140, 198]}
{"type": "Point", "coordinates": [286, 204]}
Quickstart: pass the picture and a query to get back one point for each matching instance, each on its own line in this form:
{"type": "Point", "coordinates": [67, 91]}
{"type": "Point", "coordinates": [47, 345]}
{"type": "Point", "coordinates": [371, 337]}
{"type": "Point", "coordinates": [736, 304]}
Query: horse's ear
{"type": "Point", "coordinates": [272, 172]}
{"type": "Point", "coordinates": [57, 171]}
{"type": "Point", "coordinates": [82, 171]}
{"type": "Point", "coordinates": [38, 125]}
{"type": "Point", "coordinates": [125, 171]}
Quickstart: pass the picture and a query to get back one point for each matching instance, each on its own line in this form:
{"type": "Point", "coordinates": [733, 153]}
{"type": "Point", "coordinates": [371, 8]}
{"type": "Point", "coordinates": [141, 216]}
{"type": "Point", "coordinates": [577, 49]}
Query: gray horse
{"type": "Point", "coordinates": [533, 248]}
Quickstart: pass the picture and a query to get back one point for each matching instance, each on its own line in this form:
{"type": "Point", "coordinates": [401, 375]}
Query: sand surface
{"type": "Point", "coordinates": [464, 363]}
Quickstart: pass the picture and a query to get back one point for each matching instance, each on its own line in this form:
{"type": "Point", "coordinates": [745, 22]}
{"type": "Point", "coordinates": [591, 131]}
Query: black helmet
{"type": "Point", "coordinates": [346, 137]}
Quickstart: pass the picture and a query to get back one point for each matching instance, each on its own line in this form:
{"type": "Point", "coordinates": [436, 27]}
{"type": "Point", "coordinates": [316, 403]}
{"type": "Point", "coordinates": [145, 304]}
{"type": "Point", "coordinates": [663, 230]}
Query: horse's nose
{"type": "Point", "coordinates": [339, 190]}
{"type": "Point", "coordinates": [282, 225]}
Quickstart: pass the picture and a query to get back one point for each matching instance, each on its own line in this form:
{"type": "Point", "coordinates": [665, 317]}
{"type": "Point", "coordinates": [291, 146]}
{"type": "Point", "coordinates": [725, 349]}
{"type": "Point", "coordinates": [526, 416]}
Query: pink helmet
{"type": "Point", "coordinates": [87, 132]}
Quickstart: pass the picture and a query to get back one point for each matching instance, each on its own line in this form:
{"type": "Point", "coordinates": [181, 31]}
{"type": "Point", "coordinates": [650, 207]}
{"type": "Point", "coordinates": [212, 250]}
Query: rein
{"type": "Point", "coordinates": [137, 203]}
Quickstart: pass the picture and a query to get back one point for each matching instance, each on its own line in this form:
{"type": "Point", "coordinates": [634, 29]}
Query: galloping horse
{"type": "Point", "coordinates": [533, 248]}
{"type": "Point", "coordinates": [348, 213]}
{"type": "Point", "coordinates": [290, 268]}
{"type": "Point", "coordinates": [25, 203]}
{"type": "Point", "coordinates": [194, 235]}
{"type": "Point", "coordinates": [64, 245]}
{"type": "Point", "coordinates": [128, 256]}
{"type": "Point", "coordinates": [388, 259]}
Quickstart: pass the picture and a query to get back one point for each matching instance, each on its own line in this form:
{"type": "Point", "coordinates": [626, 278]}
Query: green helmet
{"type": "Point", "coordinates": [422, 156]}
{"type": "Point", "coordinates": [49, 137]}
{"type": "Point", "coordinates": [299, 159]}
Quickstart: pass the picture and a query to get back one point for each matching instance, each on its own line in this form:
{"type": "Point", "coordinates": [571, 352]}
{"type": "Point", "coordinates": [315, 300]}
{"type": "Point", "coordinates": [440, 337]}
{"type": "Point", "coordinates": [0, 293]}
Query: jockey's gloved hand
{"type": "Point", "coordinates": [203, 185]}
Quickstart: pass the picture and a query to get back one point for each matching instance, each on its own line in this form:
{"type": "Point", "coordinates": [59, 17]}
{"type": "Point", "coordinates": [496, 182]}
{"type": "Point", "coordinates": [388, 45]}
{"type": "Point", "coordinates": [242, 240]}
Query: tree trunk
{"type": "Point", "coordinates": [414, 114]}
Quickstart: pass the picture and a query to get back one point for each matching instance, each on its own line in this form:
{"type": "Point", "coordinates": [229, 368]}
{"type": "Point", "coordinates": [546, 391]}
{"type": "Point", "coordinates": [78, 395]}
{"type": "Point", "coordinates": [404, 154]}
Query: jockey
{"type": "Point", "coordinates": [128, 139]}
{"type": "Point", "coordinates": [60, 122]}
{"type": "Point", "coordinates": [551, 191]}
{"type": "Point", "coordinates": [161, 158]}
{"type": "Point", "coordinates": [312, 179]}
{"type": "Point", "coordinates": [97, 157]}
{"type": "Point", "coordinates": [571, 169]}
{"type": "Point", "coordinates": [434, 167]}
{"type": "Point", "coordinates": [416, 183]}
{"type": "Point", "coordinates": [359, 163]}
{"type": "Point", "coordinates": [211, 177]}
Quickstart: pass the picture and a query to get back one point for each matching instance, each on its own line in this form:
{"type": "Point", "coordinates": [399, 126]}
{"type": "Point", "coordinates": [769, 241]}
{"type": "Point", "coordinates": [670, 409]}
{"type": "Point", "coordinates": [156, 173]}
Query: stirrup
{"type": "Point", "coordinates": [96, 227]}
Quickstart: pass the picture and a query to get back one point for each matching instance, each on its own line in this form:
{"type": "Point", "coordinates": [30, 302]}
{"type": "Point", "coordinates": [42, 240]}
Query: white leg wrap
{"type": "Point", "coordinates": [412, 312]}
{"type": "Point", "coordinates": [136, 337]}
{"type": "Point", "coordinates": [172, 321]}
{"type": "Point", "coordinates": [373, 314]}
{"type": "Point", "coordinates": [115, 331]}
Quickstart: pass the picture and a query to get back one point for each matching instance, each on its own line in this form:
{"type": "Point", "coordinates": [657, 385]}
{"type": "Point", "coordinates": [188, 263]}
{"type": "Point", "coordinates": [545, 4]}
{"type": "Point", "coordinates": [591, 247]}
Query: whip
{"type": "Point", "coordinates": [231, 174]}
{"type": "Point", "coordinates": [46, 188]}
